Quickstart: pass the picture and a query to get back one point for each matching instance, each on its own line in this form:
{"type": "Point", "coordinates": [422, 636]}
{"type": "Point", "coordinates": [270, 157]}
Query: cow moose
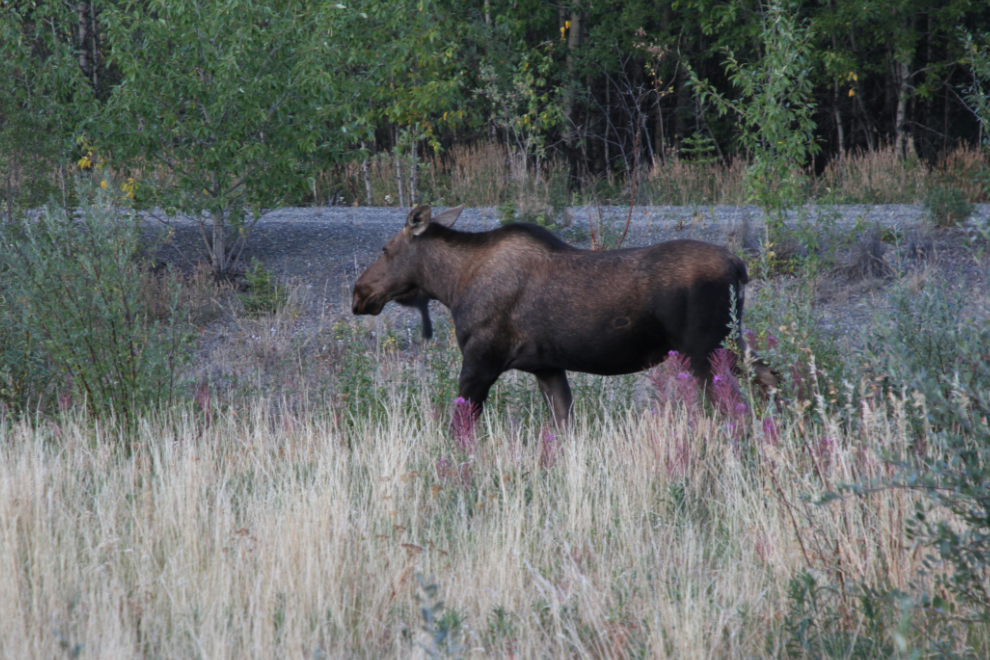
{"type": "Point", "coordinates": [523, 299]}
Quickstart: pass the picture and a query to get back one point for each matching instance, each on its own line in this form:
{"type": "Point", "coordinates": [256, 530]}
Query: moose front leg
{"type": "Point", "coordinates": [474, 383]}
{"type": "Point", "coordinates": [557, 394]}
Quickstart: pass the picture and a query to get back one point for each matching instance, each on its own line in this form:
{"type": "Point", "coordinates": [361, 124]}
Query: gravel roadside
{"type": "Point", "coordinates": [325, 249]}
{"type": "Point", "coordinates": [321, 244]}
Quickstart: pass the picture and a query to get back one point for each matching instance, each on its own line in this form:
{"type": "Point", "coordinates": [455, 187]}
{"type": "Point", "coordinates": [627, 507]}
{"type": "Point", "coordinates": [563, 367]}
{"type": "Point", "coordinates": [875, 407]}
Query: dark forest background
{"type": "Point", "coordinates": [222, 106]}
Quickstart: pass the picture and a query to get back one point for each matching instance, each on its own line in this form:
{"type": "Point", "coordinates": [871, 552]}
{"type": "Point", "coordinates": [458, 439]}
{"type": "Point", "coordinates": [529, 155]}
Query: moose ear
{"type": "Point", "coordinates": [449, 217]}
{"type": "Point", "coordinates": [419, 219]}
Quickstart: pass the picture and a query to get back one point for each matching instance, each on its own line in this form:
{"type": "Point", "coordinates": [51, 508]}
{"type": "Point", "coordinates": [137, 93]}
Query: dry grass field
{"type": "Point", "coordinates": [307, 486]}
{"type": "Point", "coordinates": [307, 526]}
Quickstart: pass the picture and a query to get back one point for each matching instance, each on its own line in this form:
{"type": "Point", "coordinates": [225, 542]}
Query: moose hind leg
{"type": "Point", "coordinates": [557, 394]}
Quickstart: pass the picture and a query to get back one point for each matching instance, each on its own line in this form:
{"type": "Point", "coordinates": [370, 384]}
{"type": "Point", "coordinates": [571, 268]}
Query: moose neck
{"type": "Point", "coordinates": [444, 259]}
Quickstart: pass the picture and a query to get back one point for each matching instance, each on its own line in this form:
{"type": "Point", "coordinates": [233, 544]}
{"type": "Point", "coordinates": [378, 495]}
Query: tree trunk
{"type": "Point", "coordinates": [397, 155]}
{"type": "Point", "coordinates": [570, 87]}
{"type": "Point", "coordinates": [10, 197]}
{"type": "Point", "coordinates": [838, 124]}
{"type": "Point", "coordinates": [901, 134]}
{"type": "Point", "coordinates": [608, 114]}
{"type": "Point", "coordinates": [366, 175]}
{"type": "Point", "coordinates": [682, 100]}
{"type": "Point", "coordinates": [413, 177]}
{"type": "Point", "coordinates": [658, 134]}
{"type": "Point", "coordinates": [83, 11]}
{"type": "Point", "coordinates": [219, 249]}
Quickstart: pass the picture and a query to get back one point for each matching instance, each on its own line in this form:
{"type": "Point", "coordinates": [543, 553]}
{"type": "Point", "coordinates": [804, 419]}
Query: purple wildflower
{"type": "Point", "coordinates": [770, 433]}
{"type": "Point", "coordinates": [549, 450]}
{"type": "Point", "coordinates": [673, 381]}
{"type": "Point", "coordinates": [725, 393]}
{"type": "Point", "coordinates": [462, 424]}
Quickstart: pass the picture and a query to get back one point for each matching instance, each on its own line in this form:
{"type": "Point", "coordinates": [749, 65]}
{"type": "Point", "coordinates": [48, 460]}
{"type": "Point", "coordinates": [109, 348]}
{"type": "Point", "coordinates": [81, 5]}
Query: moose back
{"type": "Point", "coordinates": [523, 299]}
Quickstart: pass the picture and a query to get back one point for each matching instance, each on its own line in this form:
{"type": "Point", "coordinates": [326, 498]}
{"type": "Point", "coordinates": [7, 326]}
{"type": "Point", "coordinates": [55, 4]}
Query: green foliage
{"type": "Point", "coordinates": [958, 480]}
{"type": "Point", "coordinates": [46, 101]}
{"type": "Point", "coordinates": [699, 149]}
{"type": "Point", "coordinates": [507, 212]}
{"type": "Point", "coordinates": [814, 627]}
{"type": "Point", "coordinates": [978, 96]}
{"type": "Point", "coordinates": [25, 375]}
{"type": "Point", "coordinates": [29, 152]}
{"type": "Point", "coordinates": [228, 101]}
{"type": "Point", "coordinates": [524, 104]}
{"type": "Point", "coordinates": [72, 292]}
{"type": "Point", "coordinates": [787, 334]}
{"type": "Point", "coordinates": [947, 207]}
{"type": "Point", "coordinates": [265, 294]}
{"type": "Point", "coordinates": [442, 630]}
{"type": "Point", "coordinates": [777, 114]}
{"type": "Point", "coordinates": [931, 343]}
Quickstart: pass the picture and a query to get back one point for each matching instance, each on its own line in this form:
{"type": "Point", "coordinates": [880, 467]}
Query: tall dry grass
{"type": "Point", "coordinates": [481, 174]}
{"type": "Point", "coordinates": [681, 182]}
{"type": "Point", "coordinates": [960, 167]}
{"type": "Point", "coordinates": [280, 529]}
{"type": "Point", "coordinates": [874, 177]}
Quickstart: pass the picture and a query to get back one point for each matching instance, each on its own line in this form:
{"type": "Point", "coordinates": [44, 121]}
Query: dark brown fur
{"type": "Point", "coordinates": [523, 299]}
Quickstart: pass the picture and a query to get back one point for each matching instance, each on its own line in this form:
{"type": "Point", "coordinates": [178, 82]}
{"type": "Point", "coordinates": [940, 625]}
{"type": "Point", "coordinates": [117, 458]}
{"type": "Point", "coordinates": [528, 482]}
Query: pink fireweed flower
{"type": "Point", "coordinates": [549, 450]}
{"type": "Point", "coordinates": [770, 434]}
{"type": "Point", "coordinates": [462, 424]}
{"type": "Point", "coordinates": [725, 393]}
{"type": "Point", "coordinates": [674, 383]}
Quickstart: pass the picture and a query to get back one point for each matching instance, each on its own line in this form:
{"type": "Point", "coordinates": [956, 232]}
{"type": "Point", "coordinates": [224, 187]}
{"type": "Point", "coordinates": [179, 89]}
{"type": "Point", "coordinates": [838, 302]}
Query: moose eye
{"type": "Point", "coordinates": [385, 251]}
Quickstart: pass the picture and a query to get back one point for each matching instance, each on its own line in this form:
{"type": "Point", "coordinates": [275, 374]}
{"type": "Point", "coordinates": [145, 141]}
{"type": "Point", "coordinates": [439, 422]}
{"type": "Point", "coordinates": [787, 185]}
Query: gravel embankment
{"type": "Point", "coordinates": [327, 248]}
{"type": "Point", "coordinates": [321, 244]}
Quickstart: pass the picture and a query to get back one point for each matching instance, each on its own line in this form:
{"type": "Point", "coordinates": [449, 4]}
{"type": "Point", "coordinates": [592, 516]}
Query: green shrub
{"type": "Point", "coordinates": [814, 625]}
{"type": "Point", "coordinates": [933, 345]}
{"type": "Point", "coordinates": [25, 374]}
{"type": "Point", "coordinates": [947, 207]}
{"type": "Point", "coordinates": [72, 292]}
{"type": "Point", "coordinates": [265, 294]}
{"type": "Point", "coordinates": [784, 329]}
{"type": "Point", "coordinates": [29, 151]}
{"type": "Point", "coordinates": [930, 342]}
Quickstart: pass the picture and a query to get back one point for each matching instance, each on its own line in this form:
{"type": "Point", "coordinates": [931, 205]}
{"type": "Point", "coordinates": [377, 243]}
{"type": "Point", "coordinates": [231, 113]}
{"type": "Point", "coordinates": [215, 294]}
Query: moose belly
{"type": "Point", "coordinates": [605, 351]}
